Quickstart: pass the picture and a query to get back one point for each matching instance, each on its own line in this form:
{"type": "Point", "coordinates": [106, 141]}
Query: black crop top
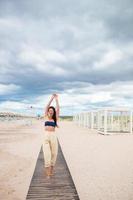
{"type": "Point", "coordinates": [50, 123]}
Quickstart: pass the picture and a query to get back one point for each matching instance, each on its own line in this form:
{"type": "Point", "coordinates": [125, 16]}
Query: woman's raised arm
{"type": "Point", "coordinates": [50, 101]}
{"type": "Point", "coordinates": [57, 106]}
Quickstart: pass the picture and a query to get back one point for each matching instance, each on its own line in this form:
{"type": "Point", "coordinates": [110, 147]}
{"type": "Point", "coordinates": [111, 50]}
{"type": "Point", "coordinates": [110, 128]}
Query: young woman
{"type": "Point", "coordinates": [50, 143]}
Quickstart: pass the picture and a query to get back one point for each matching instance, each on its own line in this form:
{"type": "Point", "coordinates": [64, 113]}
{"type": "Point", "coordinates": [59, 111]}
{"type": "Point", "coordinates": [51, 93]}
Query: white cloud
{"type": "Point", "coordinates": [8, 88]}
{"type": "Point", "coordinates": [10, 23]}
{"type": "Point", "coordinates": [35, 54]}
{"type": "Point", "coordinates": [54, 55]}
{"type": "Point", "coordinates": [12, 105]}
{"type": "Point", "coordinates": [100, 97]}
{"type": "Point", "coordinates": [51, 69]}
{"type": "Point", "coordinates": [42, 59]}
{"type": "Point", "coordinates": [109, 58]}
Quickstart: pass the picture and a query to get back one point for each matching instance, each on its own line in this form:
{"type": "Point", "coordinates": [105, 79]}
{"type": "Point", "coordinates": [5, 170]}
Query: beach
{"type": "Point", "coordinates": [20, 143]}
{"type": "Point", "coordinates": [101, 166]}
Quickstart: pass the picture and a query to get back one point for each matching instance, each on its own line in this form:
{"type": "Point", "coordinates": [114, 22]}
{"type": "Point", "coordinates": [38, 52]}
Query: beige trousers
{"type": "Point", "coordinates": [50, 148]}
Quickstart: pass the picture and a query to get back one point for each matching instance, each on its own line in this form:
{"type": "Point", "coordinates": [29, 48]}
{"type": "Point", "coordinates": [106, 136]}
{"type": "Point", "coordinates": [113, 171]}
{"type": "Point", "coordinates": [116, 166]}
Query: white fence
{"type": "Point", "coordinates": [107, 120]}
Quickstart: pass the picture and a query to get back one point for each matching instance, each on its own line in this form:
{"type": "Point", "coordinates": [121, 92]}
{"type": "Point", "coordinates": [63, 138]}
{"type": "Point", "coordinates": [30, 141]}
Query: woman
{"type": "Point", "coordinates": [50, 143]}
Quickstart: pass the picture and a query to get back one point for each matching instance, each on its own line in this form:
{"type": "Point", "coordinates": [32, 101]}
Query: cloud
{"type": "Point", "coordinates": [82, 96]}
{"type": "Point", "coordinates": [79, 96]}
{"type": "Point", "coordinates": [110, 58]}
{"type": "Point", "coordinates": [43, 60]}
{"type": "Point", "coordinates": [80, 49]}
{"type": "Point", "coordinates": [8, 89]}
{"type": "Point", "coordinates": [9, 105]}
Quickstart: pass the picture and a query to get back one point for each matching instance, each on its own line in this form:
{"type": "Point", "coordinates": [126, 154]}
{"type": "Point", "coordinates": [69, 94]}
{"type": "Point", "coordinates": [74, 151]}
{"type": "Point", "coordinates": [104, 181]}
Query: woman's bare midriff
{"type": "Point", "coordinates": [49, 128]}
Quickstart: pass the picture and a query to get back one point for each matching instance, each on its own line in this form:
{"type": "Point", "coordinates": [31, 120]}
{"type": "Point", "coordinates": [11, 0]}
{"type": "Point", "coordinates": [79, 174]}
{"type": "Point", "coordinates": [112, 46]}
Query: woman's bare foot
{"type": "Point", "coordinates": [47, 172]}
{"type": "Point", "coordinates": [51, 170]}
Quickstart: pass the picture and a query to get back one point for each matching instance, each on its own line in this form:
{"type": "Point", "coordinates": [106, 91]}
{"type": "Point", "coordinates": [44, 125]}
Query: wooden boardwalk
{"type": "Point", "coordinates": [59, 187]}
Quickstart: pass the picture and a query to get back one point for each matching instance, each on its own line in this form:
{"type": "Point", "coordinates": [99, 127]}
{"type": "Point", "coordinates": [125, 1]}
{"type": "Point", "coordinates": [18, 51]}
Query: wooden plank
{"type": "Point", "coordinates": [59, 187]}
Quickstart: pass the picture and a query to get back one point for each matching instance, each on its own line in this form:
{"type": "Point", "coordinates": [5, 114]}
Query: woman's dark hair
{"type": "Point", "coordinates": [54, 115]}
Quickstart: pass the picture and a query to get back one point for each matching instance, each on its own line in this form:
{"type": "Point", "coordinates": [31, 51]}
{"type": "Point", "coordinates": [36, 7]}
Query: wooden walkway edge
{"type": "Point", "coordinates": [59, 187]}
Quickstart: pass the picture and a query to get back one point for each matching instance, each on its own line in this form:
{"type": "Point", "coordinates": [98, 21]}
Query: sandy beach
{"type": "Point", "coordinates": [101, 166]}
{"type": "Point", "coordinates": [19, 146]}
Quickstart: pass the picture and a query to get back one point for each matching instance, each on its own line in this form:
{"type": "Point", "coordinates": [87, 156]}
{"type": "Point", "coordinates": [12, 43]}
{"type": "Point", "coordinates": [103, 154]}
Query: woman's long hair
{"type": "Point", "coordinates": [54, 115]}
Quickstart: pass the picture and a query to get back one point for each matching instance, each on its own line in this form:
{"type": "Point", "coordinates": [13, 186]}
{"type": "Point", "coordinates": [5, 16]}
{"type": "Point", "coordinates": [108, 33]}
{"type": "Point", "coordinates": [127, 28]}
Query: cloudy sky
{"type": "Point", "coordinates": [82, 50]}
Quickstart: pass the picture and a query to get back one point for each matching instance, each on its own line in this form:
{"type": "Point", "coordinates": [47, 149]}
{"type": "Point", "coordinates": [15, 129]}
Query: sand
{"type": "Point", "coordinates": [19, 147]}
{"type": "Point", "coordinates": [101, 165]}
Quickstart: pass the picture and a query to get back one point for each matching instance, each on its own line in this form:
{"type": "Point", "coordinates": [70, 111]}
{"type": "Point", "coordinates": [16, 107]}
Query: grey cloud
{"type": "Point", "coordinates": [81, 31]}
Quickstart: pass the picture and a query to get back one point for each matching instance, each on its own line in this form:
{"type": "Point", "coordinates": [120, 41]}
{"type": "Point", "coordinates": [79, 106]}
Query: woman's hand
{"type": "Point", "coordinates": [55, 96]}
